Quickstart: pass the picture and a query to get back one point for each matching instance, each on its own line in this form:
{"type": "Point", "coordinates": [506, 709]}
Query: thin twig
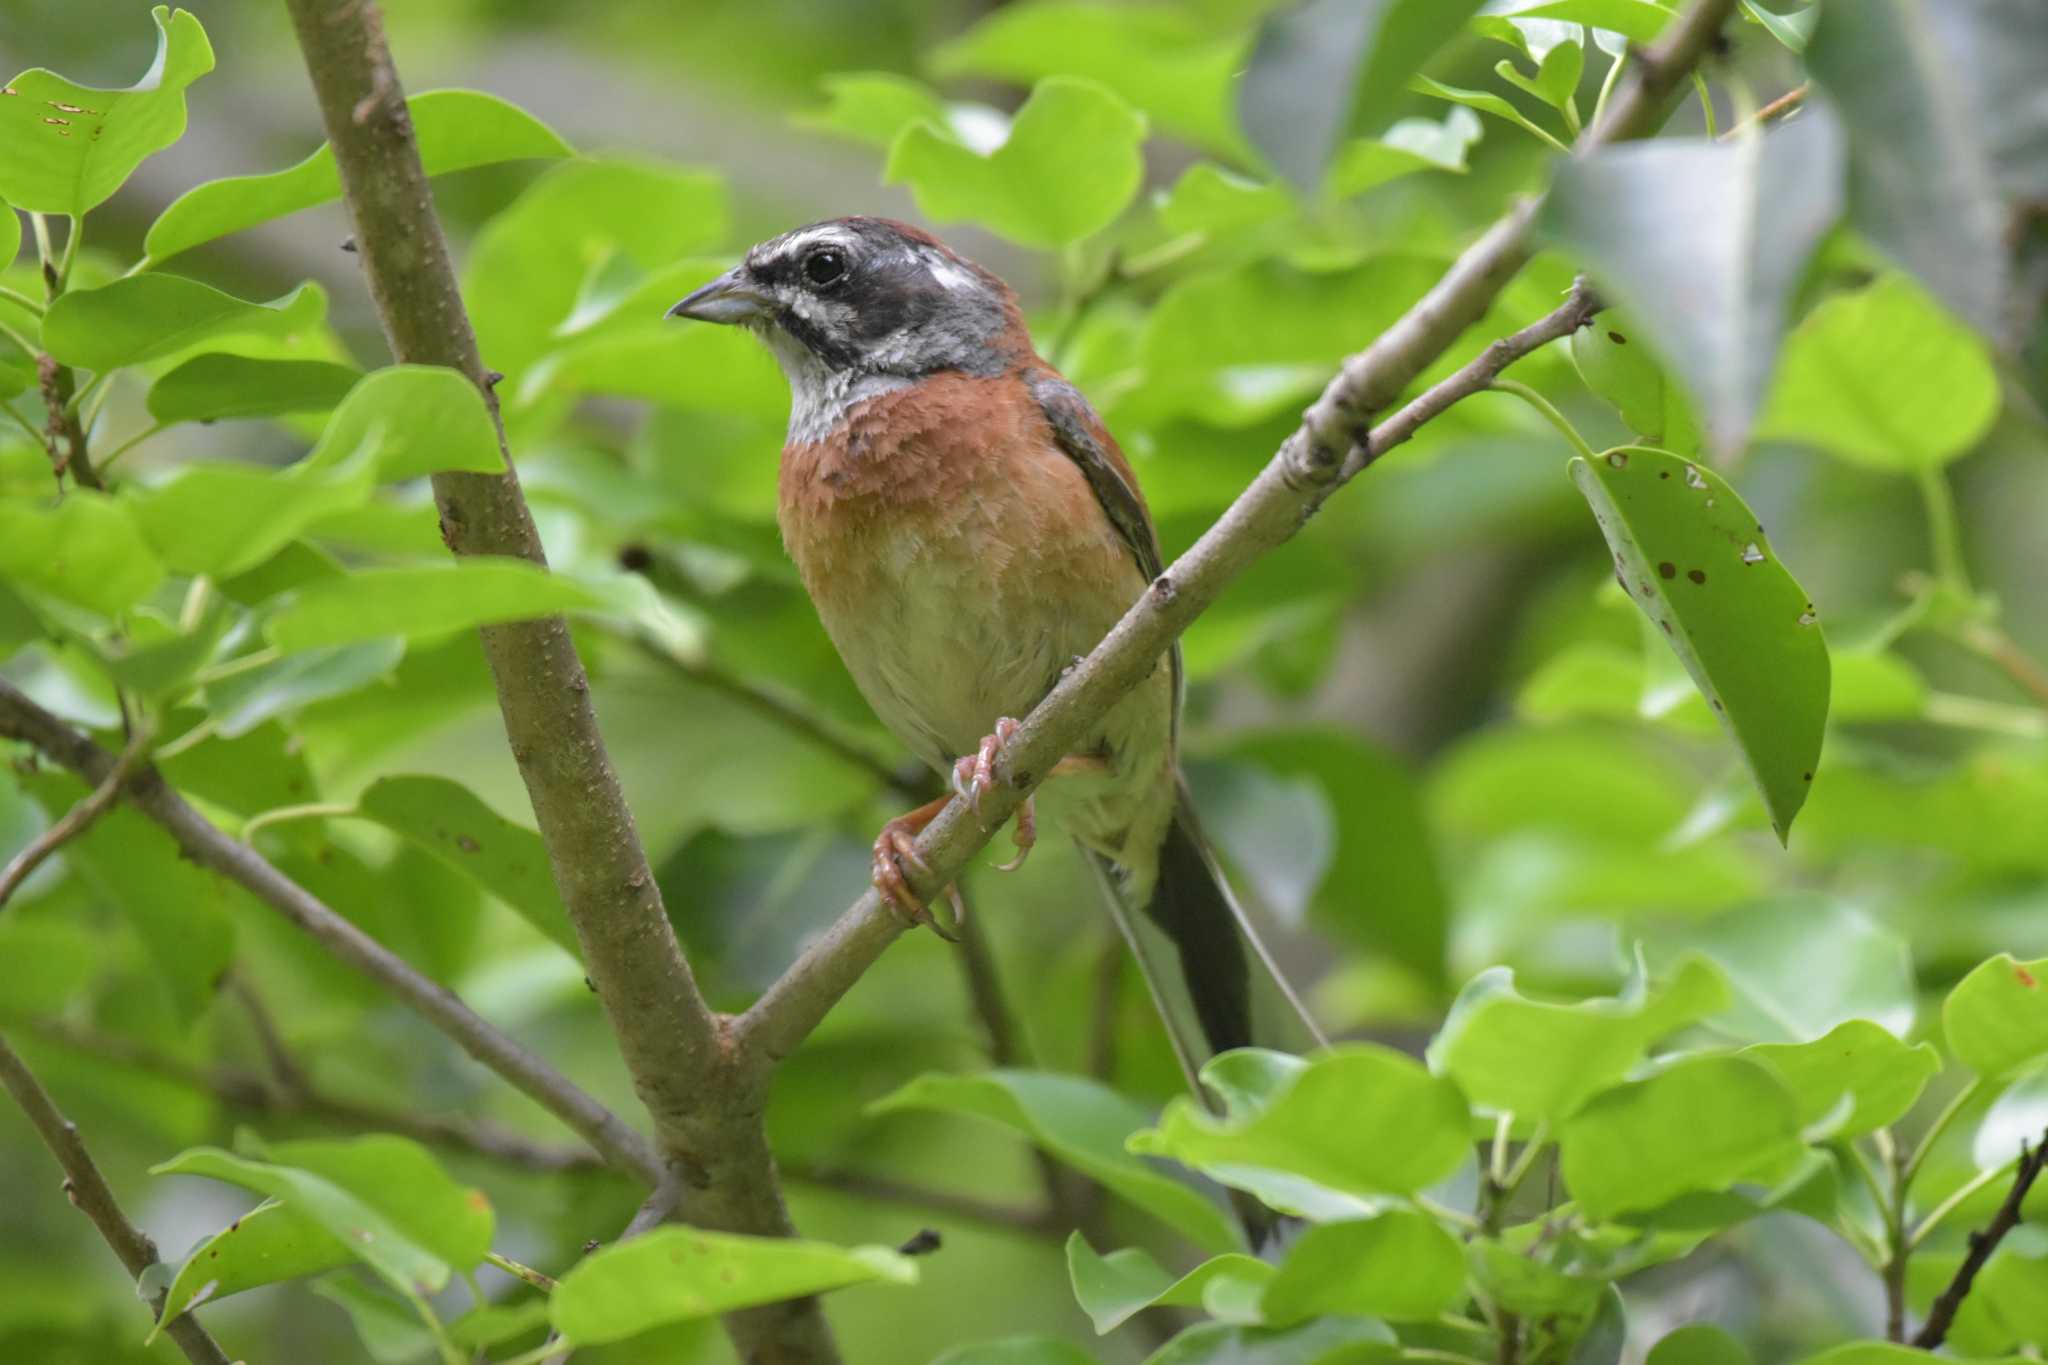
{"type": "Point", "coordinates": [58, 388]}
{"type": "Point", "coordinates": [89, 1192]}
{"type": "Point", "coordinates": [284, 1068]}
{"type": "Point", "coordinates": [74, 822]}
{"type": "Point", "coordinates": [1996, 645]}
{"type": "Point", "coordinates": [1770, 113]}
{"type": "Point", "coordinates": [1982, 1243]}
{"type": "Point", "coordinates": [209, 846]}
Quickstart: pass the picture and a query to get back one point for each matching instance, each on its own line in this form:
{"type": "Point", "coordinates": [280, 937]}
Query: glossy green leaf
{"type": "Point", "coordinates": [1164, 62]}
{"type": "Point", "coordinates": [1869, 1353]}
{"type": "Point", "coordinates": [142, 317]}
{"type": "Point", "coordinates": [1694, 558]}
{"type": "Point", "coordinates": [1400, 1265]}
{"type": "Point", "coordinates": [673, 1274]}
{"type": "Point", "coordinates": [1800, 966]}
{"type": "Point", "coordinates": [1523, 1283]}
{"type": "Point", "coordinates": [1704, 1123]}
{"type": "Point", "coordinates": [375, 1241]}
{"type": "Point", "coordinates": [1115, 1288]}
{"type": "Point", "coordinates": [419, 419]}
{"type": "Point", "coordinates": [1069, 166]}
{"type": "Point", "coordinates": [1411, 145]}
{"type": "Point", "coordinates": [1325, 1341]}
{"type": "Point", "coordinates": [1084, 1124]}
{"type": "Point", "coordinates": [1485, 101]}
{"type": "Point", "coordinates": [1361, 1120]}
{"type": "Point", "coordinates": [1321, 67]}
{"type": "Point", "coordinates": [424, 601]}
{"type": "Point", "coordinates": [1880, 1076]}
{"type": "Point", "coordinates": [1883, 377]}
{"type": "Point", "coordinates": [1556, 81]}
{"type": "Point", "coordinates": [506, 859]}
{"type": "Point", "coordinates": [401, 1179]}
{"type": "Point", "coordinates": [65, 147]}
{"type": "Point", "coordinates": [85, 550]}
{"type": "Point", "coordinates": [1726, 226]}
{"type": "Point", "coordinates": [10, 234]}
{"type": "Point", "coordinates": [1626, 374]}
{"type": "Point", "coordinates": [242, 701]}
{"type": "Point", "coordinates": [1542, 1060]}
{"type": "Point", "coordinates": [213, 386]}
{"type": "Point", "coordinates": [1996, 1018]}
{"type": "Point", "coordinates": [1017, 1351]}
{"type": "Point", "coordinates": [392, 1331]}
{"type": "Point", "coordinates": [223, 519]}
{"type": "Point", "coordinates": [455, 129]}
{"type": "Point", "coordinates": [269, 1243]}
{"type": "Point", "coordinates": [873, 107]}
{"type": "Point", "coordinates": [1920, 181]}
{"type": "Point", "coordinates": [1699, 1343]}
{"type": "Point", "coordinates": [1794, 28]}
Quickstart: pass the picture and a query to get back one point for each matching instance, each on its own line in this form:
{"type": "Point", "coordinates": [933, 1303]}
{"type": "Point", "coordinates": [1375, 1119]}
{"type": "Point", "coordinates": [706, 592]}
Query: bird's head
{"type": "Point", "coordinates": [865, 299]}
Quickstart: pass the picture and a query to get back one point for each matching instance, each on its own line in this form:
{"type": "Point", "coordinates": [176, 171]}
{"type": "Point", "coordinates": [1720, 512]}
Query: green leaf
{"type": "Point", "coordinates": [506, 859]}
{"type": "Point", "coordinates": [1209, 199]}
{"type": "Point", "coordinates": [1541, 1060]}
{"type": "Point", "coordinates": [242, 701]}
{"type": "Point", "coordinates": [1996, 1018]}
{"type": "Point", "coordinates": [1628, 376]}
{"type": "Point", "coordinates": [1703, 1123]}
{"type": "Point", "coordinates": [374, 603]}
{"type": "Point", "coordinates": [142, 317]}
{"type": "Point", "coordinates": [1326, 1341]}
{"type": "Point", "coordinates": [1801, 966]}
{"type": "Point", "coordinates": [1640, 21]}
{"type": "Point", "coordinates": [10, 234]}
{"type": "Point", "coordinates": [374, 1239]}
{"type": "Point", "coordinates": [1321, 67]}
{"type": "Point", "coordinates": [495, 1324]}
{"type": "Point", "coordinates": [1486, 102]}
{"type": "Point", "coordinates": [1699, 1343]}
{"type": "Point", "coordinates": [419, 419]}
{"type": "Point", "coordinates": [222, 519]}
{"type": "Point", "coordinates": [455, 129]}
{"type": "Point", "coordinates": [1884, 377]}
{"type": "Point", "coordinates": [65, 147]}
{"type": "Point", "coordinates": [1695, 559]}
{"type": "Point", "coordinates": [1068, 167]}
{"type": "Point", "coordinates": [403, 1181]}
{"type": "Point", "coordinates": [391, 1330]}
{"type": "Point", "coordinates": [1869, 1353]}
{"type": "Point", "coordinates": [213, 386]}
{"type": "Point", "coordinates": [1084, 1124]}
{"type": "Point", "coordinates": [674, 1274]}
{"type": "Point", "coordinates": [179, 910]}
{"type": "Point", "coordinates": [1361, 1120]}
{"type": "Point", "coordinates": [1413, 144]}
{"type": "Point", "coordinates": [1556, 81]}
{"type": "Point", "coordinates": [1727, 227]}
{"type": "Point", "coordinates": [1857, 1061]}
{"type": "Point", "coordinates": [85, 550]}
{"type": "Point", "coordinates": [1523, 1283]}
{"type": "Point", "coordinates": [1920, 182]}
{"type": "Point", "coordinates": [1115, 1288]}
{"type": "Point", "coordinates": [873, 107]}
{"type": "Point", "coordinates": [1792, 29]}
{"type": "Point", "coordinates": [1167, 64]}
{"type": "Point", "coordinates": [269, 1243]}
{"type": "Point", "coordinates": [1400, 1265]}
{"type": "Point", "coordinates": [1248, 1079]}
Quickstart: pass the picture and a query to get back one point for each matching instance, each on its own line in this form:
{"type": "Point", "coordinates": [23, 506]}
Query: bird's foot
{"type": "Point", "coordinates": [896, 849]}
{"type": "Point", "coordinates": [1025, 835]}
{"type": "Point", "coordinates": [974, 776]}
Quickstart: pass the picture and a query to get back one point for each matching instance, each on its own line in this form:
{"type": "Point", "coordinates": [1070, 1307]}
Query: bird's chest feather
{"type": "Point", "coordinates": [956, 555]}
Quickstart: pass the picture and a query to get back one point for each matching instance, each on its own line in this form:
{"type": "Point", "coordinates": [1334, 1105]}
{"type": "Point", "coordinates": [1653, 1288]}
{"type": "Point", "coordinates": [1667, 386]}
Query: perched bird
{"type": "Point", "coordinates": [967, 530]}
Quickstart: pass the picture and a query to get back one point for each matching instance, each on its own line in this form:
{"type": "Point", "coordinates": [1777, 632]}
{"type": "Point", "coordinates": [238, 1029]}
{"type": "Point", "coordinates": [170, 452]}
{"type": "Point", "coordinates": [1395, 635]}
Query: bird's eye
{"type": "Point", "coordinates": [824, 267]}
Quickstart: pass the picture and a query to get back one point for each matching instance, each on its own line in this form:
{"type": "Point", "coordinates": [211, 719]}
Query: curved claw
{"type": "Point", "coordinates": [1026, 835]}
{"type": "Point", "coordinates": [896, 848]}
{"type": "Point", "coordinates": [974, 776]}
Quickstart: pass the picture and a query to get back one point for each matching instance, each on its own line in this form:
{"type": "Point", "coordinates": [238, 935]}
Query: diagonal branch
{"type": "Point", "coordinates": [1332, 445]}
{"type": "Point", "coordinates": [210, 847]}
{"type": "Point", "coordinates": [88, 1189]}
{"type": "Point", "coordinates": [73, 822]}
{"type": "Point", "coordinates": [1982, 1243]}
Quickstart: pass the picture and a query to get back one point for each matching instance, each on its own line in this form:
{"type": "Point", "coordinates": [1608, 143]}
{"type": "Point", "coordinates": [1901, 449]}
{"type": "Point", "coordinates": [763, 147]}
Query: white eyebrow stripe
{"type": "Point", "coordinates": [796, 243]}
{"type": "Point", "coordinates": [953, 277]}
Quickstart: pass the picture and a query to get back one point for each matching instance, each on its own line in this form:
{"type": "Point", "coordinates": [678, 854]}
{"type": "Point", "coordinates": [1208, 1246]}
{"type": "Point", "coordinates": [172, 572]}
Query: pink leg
{"type": "Point", "coordinates": [896, 847]}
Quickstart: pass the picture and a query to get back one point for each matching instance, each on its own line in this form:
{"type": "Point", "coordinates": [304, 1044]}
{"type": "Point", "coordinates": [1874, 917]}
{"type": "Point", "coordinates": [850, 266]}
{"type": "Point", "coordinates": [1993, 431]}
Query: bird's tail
{"type": "Point", "coordinates": [1213, 980]}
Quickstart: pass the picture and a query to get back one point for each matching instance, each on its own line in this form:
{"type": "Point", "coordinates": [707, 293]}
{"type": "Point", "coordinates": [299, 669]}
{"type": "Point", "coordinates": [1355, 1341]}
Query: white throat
{"type": "Point", "coordinates": [819, 396]}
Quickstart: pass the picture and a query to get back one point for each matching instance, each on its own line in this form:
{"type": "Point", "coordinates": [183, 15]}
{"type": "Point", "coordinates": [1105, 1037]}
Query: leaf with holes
{"type": "Point", "coordinates": [65, 147]}
{"type": "Point", "coordinates": [1693, 557]}
{"type": "Point", "coordinates": [269, 1243]}
{"type": "Point", "coordinates": [456, 129]}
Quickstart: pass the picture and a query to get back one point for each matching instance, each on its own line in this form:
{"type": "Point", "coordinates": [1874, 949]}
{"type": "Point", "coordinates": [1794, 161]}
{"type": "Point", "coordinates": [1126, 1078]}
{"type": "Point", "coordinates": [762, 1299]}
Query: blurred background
{"type": "Point", "coordinates": [1427, 732]}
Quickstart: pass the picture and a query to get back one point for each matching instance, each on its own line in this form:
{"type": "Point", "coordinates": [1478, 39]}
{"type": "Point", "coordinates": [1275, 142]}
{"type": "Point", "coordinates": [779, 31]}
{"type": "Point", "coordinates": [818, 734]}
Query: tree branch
{"type": "Point", "coordinates": [73, 822]}
{"type": "Point", "coordinates": [706, 1100]}
{"type": "Point", "coordinates": [1331, 446]}
{"type": "Point", "coordinates": [210, 847]}
{"type": "Point", "coordinates": [1942, 1315]}
{"type": "Point", "coordinates": [88, 1190]}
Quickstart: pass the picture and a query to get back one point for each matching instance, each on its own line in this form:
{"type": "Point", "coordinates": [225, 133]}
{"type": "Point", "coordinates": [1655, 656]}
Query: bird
{"type": "Point", "coordinates": [967, 530]}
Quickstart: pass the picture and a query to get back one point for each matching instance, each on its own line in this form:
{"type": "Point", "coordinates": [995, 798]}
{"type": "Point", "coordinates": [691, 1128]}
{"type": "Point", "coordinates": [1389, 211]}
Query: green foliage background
{"type": "Point", "coordinates": [1466, 779]}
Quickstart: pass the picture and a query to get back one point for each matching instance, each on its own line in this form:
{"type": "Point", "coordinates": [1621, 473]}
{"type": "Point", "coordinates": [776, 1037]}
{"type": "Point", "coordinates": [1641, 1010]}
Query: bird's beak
{"type": "Point", "coordinates": [729, 298]}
